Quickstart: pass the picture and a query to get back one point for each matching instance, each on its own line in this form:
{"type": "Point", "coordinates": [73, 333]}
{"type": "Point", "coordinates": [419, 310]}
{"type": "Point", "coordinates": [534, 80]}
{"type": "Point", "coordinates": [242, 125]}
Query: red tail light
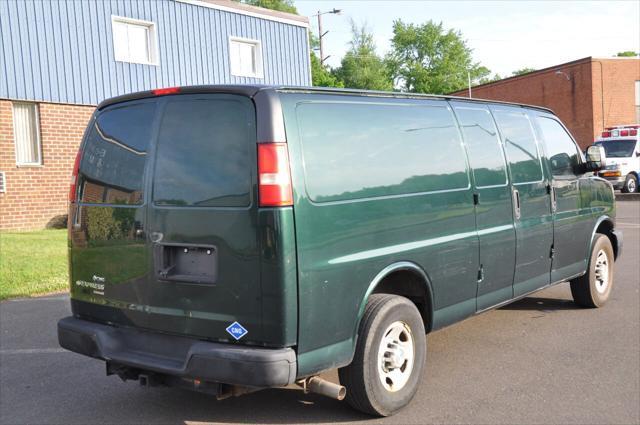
{"type": "Point", "coordinates": [606, 134]}
{"type": "Point", "coordinates": [274, 176]}
{"type": "Point", "coordinates": [74, 177]}
{"type": "Point", "coordinates": [167, 90]}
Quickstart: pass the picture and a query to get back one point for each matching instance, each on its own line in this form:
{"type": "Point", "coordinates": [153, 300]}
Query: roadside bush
{"type": "Point", "coordinates": [102, 225]}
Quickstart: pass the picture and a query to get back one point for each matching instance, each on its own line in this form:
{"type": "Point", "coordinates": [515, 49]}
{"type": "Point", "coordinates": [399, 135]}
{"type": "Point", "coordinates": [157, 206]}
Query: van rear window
{"type": "Point", "coordinates": [362, 150]}
{"type": "Point", "coordinates": [204, 152]}
{"type": "Point", "coordinates": [115, 153]}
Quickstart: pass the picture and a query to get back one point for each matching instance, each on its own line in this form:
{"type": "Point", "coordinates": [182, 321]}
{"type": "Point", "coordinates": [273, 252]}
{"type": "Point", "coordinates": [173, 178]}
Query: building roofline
{"type": "Point", "coordinates": [254, 11]}
{"type": "Point", "coordinates": [252, 90]}
{"type": "Point", "coordinates": [528, 74]}
{"type": "Point", "coordinates": [549, 69]}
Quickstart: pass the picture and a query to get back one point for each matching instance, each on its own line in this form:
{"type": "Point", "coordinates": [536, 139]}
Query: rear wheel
{"type": "Point", "coordinates": [630, 184]}
{"type": "Point", "coordinates": [389, 358]}
{"type": "Point", "coordinates": [594, 287]}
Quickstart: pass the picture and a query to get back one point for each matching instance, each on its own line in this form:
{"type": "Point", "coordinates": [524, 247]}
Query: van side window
{"type": "Point", "coordinates": [203, 153]}
{"type": "Point", "coordinates": [360, 150]}
{"type": "Point", "coordinates": [115, 153]}
{"type": "Point", "coordinates": [520, 146]}
{"type": "Point", "coordinates": [483, 144]}
{"type": "Point", "coordinates": [561, 150]}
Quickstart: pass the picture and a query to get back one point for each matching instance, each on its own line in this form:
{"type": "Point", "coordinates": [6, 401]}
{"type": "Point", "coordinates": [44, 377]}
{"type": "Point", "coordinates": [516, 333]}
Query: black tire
{"type": "Point", "coordinates": [630, 184]}
{"type": "Point", "coordinates": [588, 290]}
{"type": "Point", "coordinates": [362, 378]}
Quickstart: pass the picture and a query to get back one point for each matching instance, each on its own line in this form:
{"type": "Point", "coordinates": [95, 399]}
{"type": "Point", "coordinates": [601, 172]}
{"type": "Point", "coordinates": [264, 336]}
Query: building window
{"type": "Point", "coordinates": [134, 41]}
{"type": "Point", "coordinates": [246, 57]}
{"type": "Point", "coordinates": [637, 102]}
{"type": "Point", "coordinates": [26, 133]}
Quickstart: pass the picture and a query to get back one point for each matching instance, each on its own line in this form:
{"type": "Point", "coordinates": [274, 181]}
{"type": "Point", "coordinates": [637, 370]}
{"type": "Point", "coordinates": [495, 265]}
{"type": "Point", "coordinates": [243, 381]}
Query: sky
{"type": "Point", "coordinates": [504, 35]}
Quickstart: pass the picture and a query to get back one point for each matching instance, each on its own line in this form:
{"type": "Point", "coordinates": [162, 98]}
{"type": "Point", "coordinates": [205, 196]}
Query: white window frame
{"type": "Point", "coordinates": [152, 41]}
{"type": "Point", "coordinates": [36, 123]}
{"type": "Point", "coordinates": [259, 71]}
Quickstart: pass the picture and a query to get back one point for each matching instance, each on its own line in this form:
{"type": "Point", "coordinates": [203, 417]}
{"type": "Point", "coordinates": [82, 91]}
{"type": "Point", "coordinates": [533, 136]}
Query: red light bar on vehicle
{"type": "Point", "coordinates": [166, 90]}
{"type": "Point", "coordinates": [606, 133]}
{"type": "Point", "coordinates": [274, 176]}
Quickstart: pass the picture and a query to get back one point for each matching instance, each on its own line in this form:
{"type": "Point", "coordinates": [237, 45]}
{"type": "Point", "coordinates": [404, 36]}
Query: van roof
{"type": "Point", "coordinates": [252, 90]}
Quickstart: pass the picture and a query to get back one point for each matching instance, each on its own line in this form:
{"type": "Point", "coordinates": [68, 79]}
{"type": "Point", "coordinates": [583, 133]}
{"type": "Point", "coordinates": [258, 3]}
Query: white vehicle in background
{"type": "Point", "coordinates": [622, 147]}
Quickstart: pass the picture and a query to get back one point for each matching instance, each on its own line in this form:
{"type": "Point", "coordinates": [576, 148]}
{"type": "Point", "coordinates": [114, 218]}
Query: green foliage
{"type": "Point", "coordinates": [103, 225]}
{"type": "Point", "coordinates": [361, 67]}
{"type": "Point", "coordinates": [120, 263]}
{"type": "Point", "coordinates": [522, 71]}
{"type": "Point", "coordinates": [429, 59]}
{"type": "Point", "coordinates": [33, 263]}
{"type": "Point", "coordinates": [490, 79]}
{"type": "Point", "coordinates": [281, 5]}
{"type": "Point", "coordinates": [627, 54]}
{"type": "Point", "coordinates": [321, 76]}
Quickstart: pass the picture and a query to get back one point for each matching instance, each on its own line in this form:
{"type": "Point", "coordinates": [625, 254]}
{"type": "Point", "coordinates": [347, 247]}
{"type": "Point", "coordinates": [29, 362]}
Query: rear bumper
{"type": "Point", "coordinates": [178, 356]}
{"type": "Point", "coordinates": [616, 182]}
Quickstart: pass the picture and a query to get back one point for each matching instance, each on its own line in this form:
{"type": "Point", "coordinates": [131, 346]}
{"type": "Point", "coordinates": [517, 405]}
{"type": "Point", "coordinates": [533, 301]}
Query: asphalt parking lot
{"type": "Point", "coordinates": [539, 360]}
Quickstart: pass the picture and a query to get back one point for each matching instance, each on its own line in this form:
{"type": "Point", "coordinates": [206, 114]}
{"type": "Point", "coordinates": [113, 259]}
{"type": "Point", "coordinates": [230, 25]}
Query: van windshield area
{"type": "Point", "coordinates": [618, 148]}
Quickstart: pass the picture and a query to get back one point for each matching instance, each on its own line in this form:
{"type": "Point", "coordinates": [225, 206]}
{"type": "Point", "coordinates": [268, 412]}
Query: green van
{"type": "Point", "coordinates": [228, 239]}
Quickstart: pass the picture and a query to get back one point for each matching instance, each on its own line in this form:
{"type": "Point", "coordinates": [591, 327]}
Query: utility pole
{"type": "Point", "coordinates": [322, 34]}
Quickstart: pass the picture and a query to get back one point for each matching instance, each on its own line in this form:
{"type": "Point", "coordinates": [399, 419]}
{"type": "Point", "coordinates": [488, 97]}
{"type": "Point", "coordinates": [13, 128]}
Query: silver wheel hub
{"type": "Point", "coordinates": [602, 272]}
{"type": "Point", "coordinates": [396, 356]}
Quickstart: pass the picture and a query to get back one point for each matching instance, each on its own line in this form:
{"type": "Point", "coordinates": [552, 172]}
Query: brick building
{"type": "Point", "coordinates": [587, 94]}
{"type": "Point", "coordinates": [60, 58]}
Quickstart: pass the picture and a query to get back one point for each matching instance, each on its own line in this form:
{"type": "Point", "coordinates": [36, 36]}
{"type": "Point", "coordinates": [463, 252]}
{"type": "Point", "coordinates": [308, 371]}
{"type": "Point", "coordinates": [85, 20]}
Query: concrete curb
{"type": "Point", "coordinates": [627, 197]}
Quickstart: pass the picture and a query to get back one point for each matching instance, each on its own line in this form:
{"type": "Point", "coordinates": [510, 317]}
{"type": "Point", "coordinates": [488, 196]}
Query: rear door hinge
{"type": "Point", "coordinates": [552, 252]}
{"type": "Point", "coordinates": [476, 198]}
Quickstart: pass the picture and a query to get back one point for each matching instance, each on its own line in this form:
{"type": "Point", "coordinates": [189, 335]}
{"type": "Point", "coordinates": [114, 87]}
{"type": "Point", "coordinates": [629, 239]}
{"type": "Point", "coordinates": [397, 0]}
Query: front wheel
{"type": "Point", "coordinates": [594, 287]}
{"type": "Point", "coordinates": [390, 355]}
{"type": "Point", "coordinates": [630, 184]}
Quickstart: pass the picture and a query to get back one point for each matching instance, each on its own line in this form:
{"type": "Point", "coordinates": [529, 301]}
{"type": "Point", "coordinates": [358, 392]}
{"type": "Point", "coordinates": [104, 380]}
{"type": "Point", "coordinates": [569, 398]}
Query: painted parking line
{"type": "Point", "coordinates": [34, 351]}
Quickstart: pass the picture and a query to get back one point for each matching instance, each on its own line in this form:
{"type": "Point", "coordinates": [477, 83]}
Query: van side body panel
{"type": "Point", "coordinates": [494, 209]}
{"type": "Point", "coordinates": [343, 244]}
{"type": "Point", "coordinates": [534, 227]}
{"type": "Point", "coordinates": [573, 218]}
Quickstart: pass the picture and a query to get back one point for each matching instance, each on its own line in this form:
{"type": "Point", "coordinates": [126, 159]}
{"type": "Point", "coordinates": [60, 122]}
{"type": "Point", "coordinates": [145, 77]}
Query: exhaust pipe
{"type": "Point", "coordinates": [317, 385]}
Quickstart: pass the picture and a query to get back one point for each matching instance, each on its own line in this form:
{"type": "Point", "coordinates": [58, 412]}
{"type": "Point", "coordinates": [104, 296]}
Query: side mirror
{"type": "Point", "coordinates": [596, 158]}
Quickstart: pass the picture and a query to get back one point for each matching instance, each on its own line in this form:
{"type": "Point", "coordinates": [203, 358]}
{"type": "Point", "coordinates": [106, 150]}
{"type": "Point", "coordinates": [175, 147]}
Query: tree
{"type": "Point", "coordinates": [429, 59]}
{"type": "Point", "coordinates": [281, 5]}
{"type": "Point", "coordinates": [522, 71]}
{"type": "Point", "coordinates": [321, 76]}
{"type": "Point", "coordinates": [361, 67]}
{"type": "Point", "coordinates": [490, 79]}
{"type": "Point", "coordinates": [627, 54]}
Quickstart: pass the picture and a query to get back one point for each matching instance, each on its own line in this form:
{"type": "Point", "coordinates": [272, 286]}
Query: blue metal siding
{"type": "Point", "coordinates": [62, 51]}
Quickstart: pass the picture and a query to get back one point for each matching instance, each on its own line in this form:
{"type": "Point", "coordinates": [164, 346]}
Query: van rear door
{"type": "Point", "coordinates": [164, 236]}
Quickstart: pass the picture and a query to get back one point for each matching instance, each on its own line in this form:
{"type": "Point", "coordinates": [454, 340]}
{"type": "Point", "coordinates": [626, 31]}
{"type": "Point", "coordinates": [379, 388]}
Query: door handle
{"type": "Point", "coordinates": [554, 199]}
{"type": "Point", "coordinates": [516, 204]}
